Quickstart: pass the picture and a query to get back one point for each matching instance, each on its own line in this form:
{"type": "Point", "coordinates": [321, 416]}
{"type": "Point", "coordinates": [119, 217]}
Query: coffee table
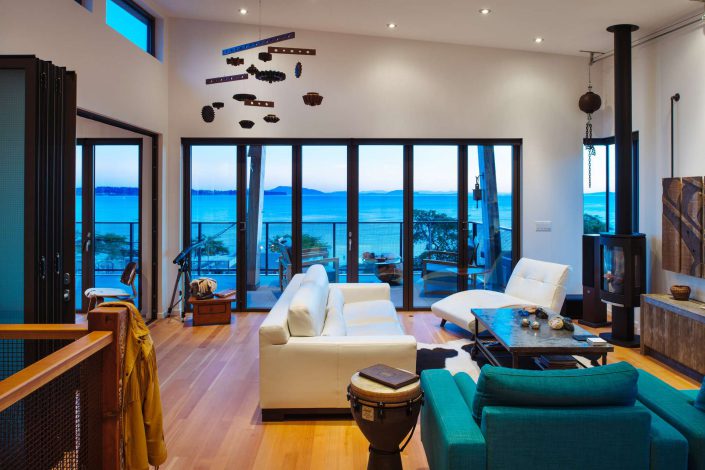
{"type": "Point", "coordinates": [504, 324]}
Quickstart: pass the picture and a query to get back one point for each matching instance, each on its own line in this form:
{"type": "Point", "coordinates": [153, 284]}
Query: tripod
{"type": "Point", "coordinates": [184, 270]}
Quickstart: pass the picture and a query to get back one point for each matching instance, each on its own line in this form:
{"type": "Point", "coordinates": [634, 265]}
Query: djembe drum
{"type": "Point", "coordinates": [385, 416]}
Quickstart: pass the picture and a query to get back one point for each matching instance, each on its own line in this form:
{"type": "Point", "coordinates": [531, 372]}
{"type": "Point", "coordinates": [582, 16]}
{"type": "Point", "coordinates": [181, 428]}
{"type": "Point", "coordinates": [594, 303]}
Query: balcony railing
{"type": "Point", "coordinates": [377, 237]}
{"type": "Point", "coordinates": [116, 244]}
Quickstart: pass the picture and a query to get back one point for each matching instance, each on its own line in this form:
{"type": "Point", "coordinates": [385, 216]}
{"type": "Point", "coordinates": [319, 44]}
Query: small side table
{"type": "Point", "coordinates": [215, 311]}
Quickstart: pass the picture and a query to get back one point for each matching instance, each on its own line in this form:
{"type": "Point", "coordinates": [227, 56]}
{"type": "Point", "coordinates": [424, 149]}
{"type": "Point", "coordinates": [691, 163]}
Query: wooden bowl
{"type": "Point", "coordinates": [680, 292]}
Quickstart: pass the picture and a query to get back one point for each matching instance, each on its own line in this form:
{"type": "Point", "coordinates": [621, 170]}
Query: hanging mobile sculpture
{"type": "Point", "coordinates": [227, 78]}
{"type": "Point", "coordinates": [208, 114]}
{"type": "Point", "coordinates": [234, 61]}
{"type": "Point", "coordinates": [246, 124]}
{"type": "Point", "coordinates": [218, 105]}
{"type": "Point", "coordinates": [252, 69]}
{"type": "Point", "coordinates": [271, 118]}
{"type": "Point", "coordinates": [264, 56]}
{"type": "Point", "coordinates": [298, 69]}
{"type": "Point", "coordinates": [261, 104]}
{"type": "Point", "coordinates": [260, 43]}
{"type": "Point", "coordinates": [312, 98]}
{"type": "Point", "coordinates": [270, 76]}
{"type": "Point", "coordinates": [291, 50]}
{"type": "Point", "coordinates": [244, 97]}
{"type": "Point", "coordinates": [589, 103]}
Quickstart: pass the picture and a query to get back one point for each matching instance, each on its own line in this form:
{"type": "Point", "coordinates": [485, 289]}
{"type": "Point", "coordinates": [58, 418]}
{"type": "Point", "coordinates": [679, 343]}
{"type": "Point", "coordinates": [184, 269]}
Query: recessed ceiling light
{"type": "Point", "coordinates": [485, 11]}
{"type": "Point", "coordinates": [538, 39]}
{"type": "Point", "coordinates": [391, 25]}
{"type": "Point", "coordinates": [243, 11]}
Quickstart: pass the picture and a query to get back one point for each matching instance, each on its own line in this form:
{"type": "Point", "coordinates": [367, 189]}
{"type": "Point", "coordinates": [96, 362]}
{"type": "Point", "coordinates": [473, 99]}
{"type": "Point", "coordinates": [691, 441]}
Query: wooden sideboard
{"type": "Point", "coordinates": [673, 331]}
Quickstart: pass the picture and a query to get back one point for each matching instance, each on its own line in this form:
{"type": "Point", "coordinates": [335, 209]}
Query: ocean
{"type": "Point", "coordinates": [374, 207]}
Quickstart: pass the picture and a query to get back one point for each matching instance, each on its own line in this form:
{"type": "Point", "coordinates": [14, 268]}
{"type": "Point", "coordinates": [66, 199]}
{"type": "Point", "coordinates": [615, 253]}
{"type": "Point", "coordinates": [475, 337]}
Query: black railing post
{"type": "Point", "coordinates": [198, 238]}
{"type": "Point", "coordinates": [334, 227]}
{"type": "Point", "coordinates": [266, 247]}
{"type": "Point", "coordinates": [132, 240]}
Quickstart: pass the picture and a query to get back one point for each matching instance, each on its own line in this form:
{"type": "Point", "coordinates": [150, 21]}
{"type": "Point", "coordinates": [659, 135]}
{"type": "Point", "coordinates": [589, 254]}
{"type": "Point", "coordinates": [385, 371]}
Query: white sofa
{"type": "Point", "coordinates": [318, 335]}
{"type": "Point", "coordinates": [532, 282]}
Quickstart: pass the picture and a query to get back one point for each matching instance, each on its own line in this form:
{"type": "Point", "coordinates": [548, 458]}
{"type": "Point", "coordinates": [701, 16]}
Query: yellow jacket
{"type": "Point", "coordinates": [143, 435]}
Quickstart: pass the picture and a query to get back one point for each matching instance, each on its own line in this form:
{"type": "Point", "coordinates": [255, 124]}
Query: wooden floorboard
{"type": "Point", "coordinates": [210, 387]}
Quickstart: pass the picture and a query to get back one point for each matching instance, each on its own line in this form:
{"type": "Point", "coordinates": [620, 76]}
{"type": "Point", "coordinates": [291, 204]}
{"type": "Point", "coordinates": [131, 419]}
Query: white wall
{"type": "Point", "coordinates": [115, 78]}
{"type": "Point", "coordinates": [376, 87]}
{"type": "Point", "coordinates": [673, 63]}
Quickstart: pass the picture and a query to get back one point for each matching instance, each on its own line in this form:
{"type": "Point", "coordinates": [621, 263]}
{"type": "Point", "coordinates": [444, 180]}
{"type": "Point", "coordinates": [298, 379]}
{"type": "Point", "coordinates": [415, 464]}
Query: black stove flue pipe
{"type": "Point", "coordinates": [623, 127]}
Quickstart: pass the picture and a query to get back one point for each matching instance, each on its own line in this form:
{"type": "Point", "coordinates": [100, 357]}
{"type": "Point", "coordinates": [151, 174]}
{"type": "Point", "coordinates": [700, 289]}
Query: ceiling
{"type": "Point", "coordinates": [567, 26]}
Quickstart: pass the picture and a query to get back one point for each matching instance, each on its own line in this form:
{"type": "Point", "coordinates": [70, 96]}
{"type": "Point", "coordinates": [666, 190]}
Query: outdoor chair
{"type": "Point", "coordinates": [98, 295]}
{"type": "Point", "coordinates": [440, 270]}
{"type": "Point", "coordinates": [309, 257]}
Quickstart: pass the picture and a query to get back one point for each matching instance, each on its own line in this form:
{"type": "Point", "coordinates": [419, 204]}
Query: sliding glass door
{"type": "Point", "coordinates": [490, 214]}
{"type": "Point", "coordinates": [213, 202]}
{"type": "Point", "coordinates": [435, 223]}
{"type": "Point", "coordinates": [381, 217]}
{"type": "Point", "coordinates": [269, 228]}
{"type": "Point", "coordinates": [324, 209]}
{"type": "Point", "coordinates": [108, 215]}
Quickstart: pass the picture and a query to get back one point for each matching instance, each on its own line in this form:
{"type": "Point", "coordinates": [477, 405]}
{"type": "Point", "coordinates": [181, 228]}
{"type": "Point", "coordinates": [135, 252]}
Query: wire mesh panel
{"type": "Point", "coordinates": [58, 426]}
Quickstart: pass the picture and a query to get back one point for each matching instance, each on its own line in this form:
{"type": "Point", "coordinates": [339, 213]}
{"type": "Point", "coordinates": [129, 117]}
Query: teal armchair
{"type": "Point", "coordinates": [516, 427]}
{"type": "Point", "coordinates": [679, 409]}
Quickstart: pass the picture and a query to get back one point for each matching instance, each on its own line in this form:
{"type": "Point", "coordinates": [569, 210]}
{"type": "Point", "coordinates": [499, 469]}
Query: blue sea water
{"type": "Point", "coordinates": [324, 207]}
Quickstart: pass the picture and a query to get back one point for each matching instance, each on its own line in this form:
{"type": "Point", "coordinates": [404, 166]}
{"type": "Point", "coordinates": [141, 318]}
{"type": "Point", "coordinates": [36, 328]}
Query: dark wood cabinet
{"type": "Point", "coordinates": [673, 331]}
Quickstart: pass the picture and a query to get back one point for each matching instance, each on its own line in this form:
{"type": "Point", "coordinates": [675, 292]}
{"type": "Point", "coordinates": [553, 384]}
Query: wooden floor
{"type": "Point", "coordinates": [209, 386]}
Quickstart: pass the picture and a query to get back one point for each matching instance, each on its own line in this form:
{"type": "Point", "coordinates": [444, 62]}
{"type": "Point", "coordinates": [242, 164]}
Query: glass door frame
{"type": "Point", "coordinates": [88, 211]}
{"type": "Point", "coordinates": [352, 200]}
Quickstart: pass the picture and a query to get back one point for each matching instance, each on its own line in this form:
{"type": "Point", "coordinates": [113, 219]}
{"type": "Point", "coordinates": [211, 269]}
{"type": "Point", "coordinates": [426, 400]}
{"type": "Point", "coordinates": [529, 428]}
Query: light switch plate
{"type": "Point", "coordinates": [543, 225]}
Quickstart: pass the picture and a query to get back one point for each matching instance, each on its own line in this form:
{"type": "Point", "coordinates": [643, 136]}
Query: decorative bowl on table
{"type": "Point", "coordinates": [680, 292]}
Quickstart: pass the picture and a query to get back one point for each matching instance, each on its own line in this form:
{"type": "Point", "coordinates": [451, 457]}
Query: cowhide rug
{"type": "Point", "coordinates": [455, 357]}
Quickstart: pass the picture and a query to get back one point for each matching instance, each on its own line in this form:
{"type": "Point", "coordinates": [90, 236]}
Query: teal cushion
{"type": "Point", "coordinates": [699, 402]}
{"type": "Point", "coordinates": [611, 385]}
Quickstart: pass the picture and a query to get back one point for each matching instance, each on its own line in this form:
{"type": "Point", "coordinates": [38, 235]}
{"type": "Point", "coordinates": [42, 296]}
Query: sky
{"type": "Point", "coordinates": [126, 24]}
{"type": "Point", "coordinates": [114, 165]}
{"type": "Point", "coordinates": [324, 168]}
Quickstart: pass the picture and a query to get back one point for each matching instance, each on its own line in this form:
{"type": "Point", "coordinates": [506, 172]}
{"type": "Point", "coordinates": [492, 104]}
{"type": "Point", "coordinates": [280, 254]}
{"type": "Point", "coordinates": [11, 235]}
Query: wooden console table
{"type": "Point", "coordinates": [673, 331]}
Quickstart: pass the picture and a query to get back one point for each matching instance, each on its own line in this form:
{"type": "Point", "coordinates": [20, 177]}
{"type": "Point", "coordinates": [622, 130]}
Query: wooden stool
{"type": "Point", "coordinates": [385, 416]}
{"type": "Point", "coordinates": [215, 311]}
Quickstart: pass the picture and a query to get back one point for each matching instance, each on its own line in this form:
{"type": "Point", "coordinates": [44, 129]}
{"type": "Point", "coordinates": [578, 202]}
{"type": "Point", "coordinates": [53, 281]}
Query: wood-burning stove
{"type": "Point", "coordinates": [623, 253]}
{"type": "Point", "coordinates": [622, 275]}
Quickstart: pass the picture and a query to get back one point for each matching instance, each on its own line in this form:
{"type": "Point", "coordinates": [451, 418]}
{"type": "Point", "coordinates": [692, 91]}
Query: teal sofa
{"type": "Point", "coordinates": [569, 419]}
{"type": "Point", "coordinates": [678, 409]}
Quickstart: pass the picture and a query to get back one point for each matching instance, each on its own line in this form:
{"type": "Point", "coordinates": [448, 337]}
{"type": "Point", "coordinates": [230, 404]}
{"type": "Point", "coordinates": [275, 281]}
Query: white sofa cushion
{"type": "Point", "coordinates": [539, 282]}
{"type": "Point", "coordinates": [369, 312]}
{"type": "Point", "coordinates": [307, 310]}
{"type": "Point", "coordinates": [377, 329]}
{"type": "Point", "coordinates": [335, 324]}
{"type": "Point", "coordinates": [318, 275]}
{"type": "Point", "coordinates": [456, 308]}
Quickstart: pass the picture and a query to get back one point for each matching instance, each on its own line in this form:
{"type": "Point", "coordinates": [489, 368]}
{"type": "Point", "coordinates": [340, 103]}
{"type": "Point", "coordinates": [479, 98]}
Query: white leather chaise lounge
{"type": "Point", "coordinates": [318, 335]}
{"type": "Point", "coordinates": [532, 282]}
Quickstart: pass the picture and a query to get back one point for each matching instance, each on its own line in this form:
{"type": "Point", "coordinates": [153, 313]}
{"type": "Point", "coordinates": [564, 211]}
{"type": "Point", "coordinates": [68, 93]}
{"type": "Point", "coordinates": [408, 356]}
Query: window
{"type": "Point", "coordinates": [400, 212]}
{"type": "Point", "coordinates": [133, 22]}
{"type": "Point", "coordinates": [599, 186]}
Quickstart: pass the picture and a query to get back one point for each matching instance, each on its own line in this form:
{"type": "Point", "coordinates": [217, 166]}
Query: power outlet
{"type": "Point", "coordinates": [543, 225]}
